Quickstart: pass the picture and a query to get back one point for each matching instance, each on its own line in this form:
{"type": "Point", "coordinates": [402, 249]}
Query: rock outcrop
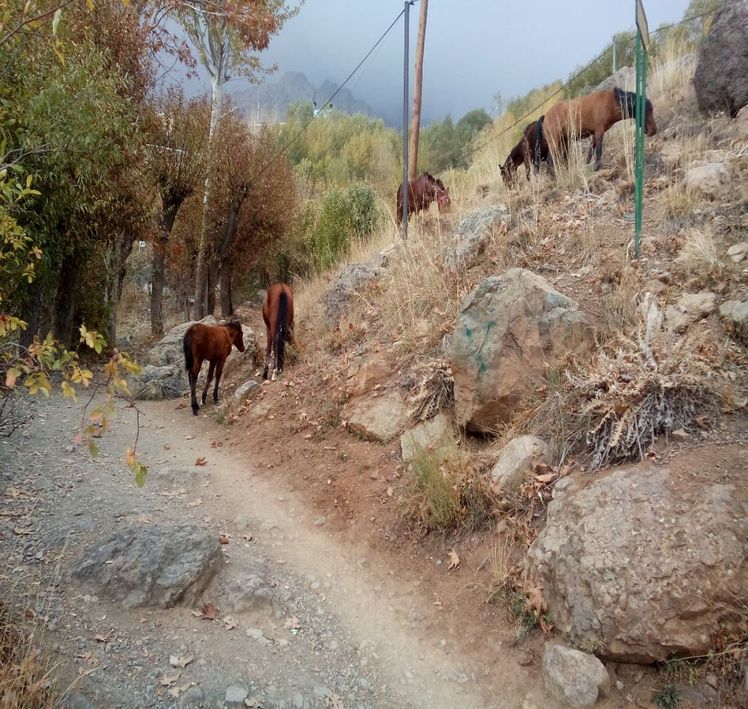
{"type": "Point", "coordinates": [645, 563]}
{"type": "Point", "coordinates": [721, 77]}
{"type": "Point", "coordinates": [156, 565]}
{"type": "Point", "coordinates": [473, 234]}
{"type": "Point", "coordinates": [509, 329]}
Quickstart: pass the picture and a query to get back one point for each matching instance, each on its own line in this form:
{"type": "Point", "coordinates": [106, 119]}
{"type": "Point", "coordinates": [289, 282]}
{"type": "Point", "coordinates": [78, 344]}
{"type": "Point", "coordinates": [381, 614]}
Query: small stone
{"type": "Point", "coordinates": [255, 633]}
{"type": "Point", "coordinates": [298, 701]}
{"type": "Point", "coordinates": [619, 685]}
{"type": "Point", "coordinates": [573, 677]}
{"type": "Point", "coordinates": [737, 252]}
{"type": "Point", "coordinates": [235, 695]}
{"type": "Point", "coordinates": [194, 697]}
{"type": "Point", "coordinates": [711, 680]}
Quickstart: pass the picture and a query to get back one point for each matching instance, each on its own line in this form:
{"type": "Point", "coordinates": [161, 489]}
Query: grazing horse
{"type": "Point", "coordinates": [277, 312]}
{"type": "Point", "coordinates": [421, 193]}
{"type": "Point", "coordinates": [532, 148]}
{"type": "Point", "coordinates": [591, 115]}
{"type": "Point", "coordinates": [211, 342]}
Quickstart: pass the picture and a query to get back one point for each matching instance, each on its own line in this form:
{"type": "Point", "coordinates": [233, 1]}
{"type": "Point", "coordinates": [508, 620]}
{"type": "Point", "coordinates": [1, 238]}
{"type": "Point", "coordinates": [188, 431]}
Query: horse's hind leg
{"type": "Point", "coordinates": [219, 371]}
{"type": "Point", "coordinates": [267, 353]}
{"type": "Point", "coordinates": [211, 368]}
{"type": "Point", "coordinates": [193, 384]}
{"type": "Point", "coordinates": [598, 142]}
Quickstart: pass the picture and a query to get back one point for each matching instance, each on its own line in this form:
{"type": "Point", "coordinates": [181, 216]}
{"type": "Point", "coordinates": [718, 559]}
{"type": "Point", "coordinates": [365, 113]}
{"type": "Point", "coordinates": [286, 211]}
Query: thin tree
{"type": "Point", "coordinates": [226, 35]}
{"type": "Point", "coordinates": [415, 123]}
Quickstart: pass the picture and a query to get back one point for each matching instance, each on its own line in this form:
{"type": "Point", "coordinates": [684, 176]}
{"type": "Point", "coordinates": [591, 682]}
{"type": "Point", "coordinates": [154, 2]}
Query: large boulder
{"type": "Point", "coordinates": [354, 279]}
{"type": "Point", "coordinates": [690, 308]}
{"type": "Point", "coordinates": [377, 419]}
{"type": "Point", "coordinates": [166, 382]}
{"type": "Point", "coordinates": [509, 329]}
{"type": "Point", "coordinates": [472, 235]}
{"type": "Point", "coordinates": [711, 179]}
{"type": "Point", "coordinates": [624, 78]}
{"type": "Point", "coordinates": [646, 562]}
{"type": "Point", "coordinates": [156, 565]}
{"type": "Point", "coordinates": [364, 376]}
{"type": "Point", "coordinates": [721, 77]}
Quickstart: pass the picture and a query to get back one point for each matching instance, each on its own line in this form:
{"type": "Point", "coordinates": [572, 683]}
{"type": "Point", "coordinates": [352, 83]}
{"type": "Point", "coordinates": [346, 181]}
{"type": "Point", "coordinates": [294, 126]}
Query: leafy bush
{"type": "Point", "coordinates": [332, 224]}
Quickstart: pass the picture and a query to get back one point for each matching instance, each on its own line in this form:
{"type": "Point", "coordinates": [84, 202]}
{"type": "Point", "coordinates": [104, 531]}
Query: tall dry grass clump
{"type": "Point", "coordinates": [25, 675]}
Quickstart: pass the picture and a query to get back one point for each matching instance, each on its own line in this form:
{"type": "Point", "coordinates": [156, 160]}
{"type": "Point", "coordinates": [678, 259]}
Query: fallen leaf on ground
{"type": "Point", "coordinates": [454, 560]}
{"type": "Point", "coordinates": [546, 478]}
{"type": "Point", "coordinates": [229, 622]}
{"type": "Point", "coordinates": [201, 461]}
{"type": "Point", "coordinates": [390, 492]}
{"type": "Point", "coordinates": [176, 691]}
{"type": "Point", "coordinates": [181, 662]}
{"type": "Point", "coordinates": [253, 702]}
{"type": "Point", "coordinates": [209, 612]}
{"type": "Point", "coordinates": [168, 680]}
{"type": "Point", "coordinates": [223, 538]}
{"type": "Point", "coordinates": [102, 638]}
{"type": "Point", "coordinates": [23, 530]}
{"type": "Point", "coordinates": [195, 503]}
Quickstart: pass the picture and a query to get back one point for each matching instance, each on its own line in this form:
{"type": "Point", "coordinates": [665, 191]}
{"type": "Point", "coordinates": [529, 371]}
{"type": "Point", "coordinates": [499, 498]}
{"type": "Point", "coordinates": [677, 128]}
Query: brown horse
{"type": "Point", "coordinates": [421, 193]}
{"type": "Point", "coordinates": [591, 115]}
{"type": "Point", "coordinates": [277, 312]}
{"type": "Point", "coordinates": [211, 342]}
{"type": "Point", "coordinates": [532, 148]}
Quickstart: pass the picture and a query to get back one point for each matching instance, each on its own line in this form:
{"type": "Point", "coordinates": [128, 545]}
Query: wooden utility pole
{"type": "Point", "coordinates": [415, 125]}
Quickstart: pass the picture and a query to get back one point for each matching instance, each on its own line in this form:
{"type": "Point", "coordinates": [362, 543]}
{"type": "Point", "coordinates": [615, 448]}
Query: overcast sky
{"type": "Point", "coordinates": [474, 48]}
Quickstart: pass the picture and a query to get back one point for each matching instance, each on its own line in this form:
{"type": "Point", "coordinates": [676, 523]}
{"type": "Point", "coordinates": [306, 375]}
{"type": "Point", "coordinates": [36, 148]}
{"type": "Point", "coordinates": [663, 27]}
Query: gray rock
{"type": "Point", "coordinates": [509, 329]}
{"type": "Point", "coordinates": [235, 695]}
{"type": "Point", "coordinates": [721, 77]}
{"type": "Point", "coordinates": [354, 279]}
{"type": "Point", "coordinates": [193, 698]}
{"type": "Point", "coordinates": [612, 590]}
{"type": "Point", "coordinates": [515, 459]}
{"type": "Point", "coordinates": [168, 381]}
{"type": "Point", "coordinates": [473, 234]}
{"type": "Point", "coordinates": [624, 78]}
{"type": "Point", "coordinates": [248, 593]}
{"type": "Point", "coordinates": [155, 565]}
{"type": "Point", "coordinates": [377, 419]}
{"type": "Point", "coordinates": [249, 388]}
{"type": "Point", "coordinates": [735, 314]}
{"type": "Point", "coordinates": [574, 678]}
{"type": "Point", "coordinates": [434, 435]}
{"type": "Point", "coordinates": [75, 700]}
{"type": "Point", "coordinates": [690, 308]}
{"type": "Point", "coordinates": [737, 252]}
{"type": "Point", "coordinates": [710, 179]}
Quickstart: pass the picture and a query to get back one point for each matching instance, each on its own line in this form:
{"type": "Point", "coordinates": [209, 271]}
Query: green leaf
{"type": "Point", "coordinates": [93, 449]}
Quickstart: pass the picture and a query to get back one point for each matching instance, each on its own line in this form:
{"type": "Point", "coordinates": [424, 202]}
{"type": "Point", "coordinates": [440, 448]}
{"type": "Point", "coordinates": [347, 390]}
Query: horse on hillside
{"type": "Point", "coordinates": [277, 312]}
{"type": "Point", "coordinates": [591, 115]}
{"type": "Point", "coordinates": [421, 193]}
{"type": "Point", "coordinates": [531, 149]}
{"type": "Point", "coordinates": [211, 342]}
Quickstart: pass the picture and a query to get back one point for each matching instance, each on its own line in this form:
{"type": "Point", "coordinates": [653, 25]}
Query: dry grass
{"type": "Point", "coordinates": [447, 493]}
{"type": "Point", "coordinates": [25, 675]}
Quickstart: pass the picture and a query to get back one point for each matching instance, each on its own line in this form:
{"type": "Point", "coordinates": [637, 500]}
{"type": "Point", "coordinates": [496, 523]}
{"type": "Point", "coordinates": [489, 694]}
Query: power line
{"type": "Point", "coordinates": [576, 76]}
{"type": "Point", "coordinates": [329, 100]}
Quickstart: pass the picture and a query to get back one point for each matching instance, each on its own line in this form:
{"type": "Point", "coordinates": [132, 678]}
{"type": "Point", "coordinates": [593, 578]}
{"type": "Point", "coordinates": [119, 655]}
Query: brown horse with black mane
{"type": "Point", "coordinates": [277, 312]}
{"type": "Point", "coordinates": [211, 342]}
{"type": "Point", "coordinates": [591, 115]}
{"type": "Point", "coordinates": [421, 193]}
{"type": "Point", "coordinates": [531, 149]}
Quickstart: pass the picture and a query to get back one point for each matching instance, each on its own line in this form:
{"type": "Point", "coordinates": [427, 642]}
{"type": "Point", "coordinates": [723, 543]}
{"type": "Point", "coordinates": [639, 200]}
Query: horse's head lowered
{"type": "Point", "coordinates": [627, 101]}
{"type": "Point", "coordinates": [236, 335]}
{"type": "Point", "coordinates": [439, 192]}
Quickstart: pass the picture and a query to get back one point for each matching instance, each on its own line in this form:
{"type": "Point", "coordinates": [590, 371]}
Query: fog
{"type": "Point", "coordinates": [474, 48]}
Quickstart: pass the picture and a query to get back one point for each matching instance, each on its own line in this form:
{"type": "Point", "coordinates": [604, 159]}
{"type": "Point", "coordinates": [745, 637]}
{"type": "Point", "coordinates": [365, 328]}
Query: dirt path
{"type": "Point", "coordinates": [361, 639]}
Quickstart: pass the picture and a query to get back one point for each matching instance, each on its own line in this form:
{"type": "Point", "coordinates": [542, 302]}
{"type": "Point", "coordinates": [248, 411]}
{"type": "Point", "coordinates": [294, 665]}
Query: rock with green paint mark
{"type": "Point", "coordinates": [511, 331]}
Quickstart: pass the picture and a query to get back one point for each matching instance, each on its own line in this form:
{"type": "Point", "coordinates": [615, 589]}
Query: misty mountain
{"type": "Point", "coordinates": [269, 102]}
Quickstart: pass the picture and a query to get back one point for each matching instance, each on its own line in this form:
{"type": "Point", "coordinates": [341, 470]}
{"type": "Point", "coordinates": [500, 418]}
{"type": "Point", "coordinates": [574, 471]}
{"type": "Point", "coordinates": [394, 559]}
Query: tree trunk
{"type": "Point", "coordinates": [415, 123]}
{"type": "Point", "coordinates": [224, 278]}
{"type": "Point", "coordinates": [65, 300]}
{"type": "Point", "coordinates": [37, 314]}
{"type": "Point", "coordinates": [158, 268]}
{"type": "Point", "coordinates": [201, 273]}
{"type": "Point", "coordinates": [210, 298]}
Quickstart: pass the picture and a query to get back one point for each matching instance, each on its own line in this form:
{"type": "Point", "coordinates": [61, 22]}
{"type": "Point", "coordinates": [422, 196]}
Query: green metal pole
{"type": "Point", "coordinates": [641, 102]}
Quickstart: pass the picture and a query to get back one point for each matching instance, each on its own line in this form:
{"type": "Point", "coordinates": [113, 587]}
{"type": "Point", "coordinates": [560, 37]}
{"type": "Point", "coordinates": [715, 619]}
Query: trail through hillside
{"type": "Point", "coordinates": [340, 629]}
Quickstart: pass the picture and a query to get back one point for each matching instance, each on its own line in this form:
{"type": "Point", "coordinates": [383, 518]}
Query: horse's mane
{"type": "Point", "coordinates": [627, 99]}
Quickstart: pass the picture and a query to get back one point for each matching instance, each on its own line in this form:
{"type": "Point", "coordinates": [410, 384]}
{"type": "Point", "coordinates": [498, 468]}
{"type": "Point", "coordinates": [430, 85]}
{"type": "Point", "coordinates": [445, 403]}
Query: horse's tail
{"type": "Point", "coordinates": [538, 142]}
{"type": "Point", "coordinates": [281, 328]}
{"type": "Point", "coordinates": [187, 346]}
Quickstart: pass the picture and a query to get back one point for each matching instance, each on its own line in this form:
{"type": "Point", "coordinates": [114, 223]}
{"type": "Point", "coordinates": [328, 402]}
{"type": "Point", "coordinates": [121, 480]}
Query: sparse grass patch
{"type": "Point", "coordinates": [448, 494]}
{"type": "Point", "coordinates": [668, 697]}
{"type": "Point", "coordinates": [700, 257]}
